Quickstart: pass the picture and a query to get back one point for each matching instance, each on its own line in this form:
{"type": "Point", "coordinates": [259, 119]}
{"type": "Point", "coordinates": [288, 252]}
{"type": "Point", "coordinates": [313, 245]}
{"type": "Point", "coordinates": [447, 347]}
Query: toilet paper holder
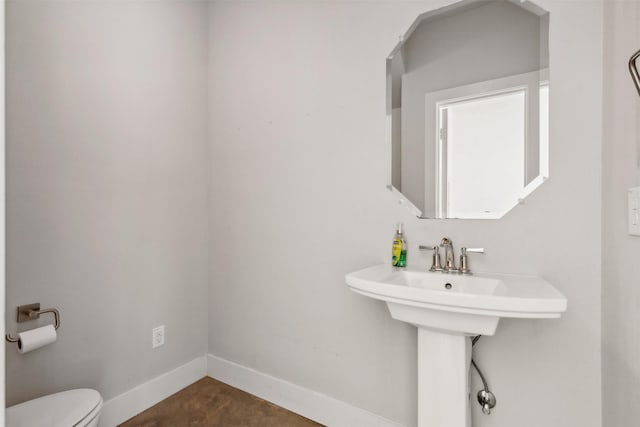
{"type": "Point", "coordinates": [32, 312]}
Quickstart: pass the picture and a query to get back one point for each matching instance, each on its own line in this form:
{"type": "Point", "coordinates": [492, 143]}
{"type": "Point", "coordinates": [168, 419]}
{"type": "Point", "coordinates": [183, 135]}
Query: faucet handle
{"type": "Point", "coordinates": [464, 265]}
{"type": "Point", "coordinates": [435, 264]}
{"type": "Point", "coordinates": [472, 250]}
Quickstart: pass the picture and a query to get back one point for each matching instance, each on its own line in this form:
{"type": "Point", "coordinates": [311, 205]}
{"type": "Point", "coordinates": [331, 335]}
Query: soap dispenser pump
{"type": "Point", "coordinates": [399, 249]}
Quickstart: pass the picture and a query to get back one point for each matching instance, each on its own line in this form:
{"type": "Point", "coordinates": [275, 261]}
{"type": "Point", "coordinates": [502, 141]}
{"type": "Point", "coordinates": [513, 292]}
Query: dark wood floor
{"type": "Point", "coordinates": [210, 403]}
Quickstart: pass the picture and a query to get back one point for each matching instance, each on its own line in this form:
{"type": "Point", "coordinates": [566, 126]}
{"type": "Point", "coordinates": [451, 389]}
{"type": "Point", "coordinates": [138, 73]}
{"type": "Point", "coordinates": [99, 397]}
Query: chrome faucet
{"type": "Point", "coordinates": [449, 259]}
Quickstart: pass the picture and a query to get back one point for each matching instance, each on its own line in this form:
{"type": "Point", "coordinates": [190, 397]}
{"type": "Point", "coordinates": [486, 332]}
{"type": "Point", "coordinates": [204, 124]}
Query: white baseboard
{"type": "Point", "coordinates": [130, 403]}
{"type": "Point", "coordinates": [308, 403]}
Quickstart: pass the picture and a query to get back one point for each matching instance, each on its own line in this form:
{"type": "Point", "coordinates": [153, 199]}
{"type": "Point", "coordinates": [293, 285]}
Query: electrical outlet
{"type": "Point", "coordinates": [157, 336]}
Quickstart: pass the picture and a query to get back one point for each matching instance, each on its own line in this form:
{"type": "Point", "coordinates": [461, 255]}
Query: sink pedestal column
{"type": "Point", "coordinates": [443, 379]}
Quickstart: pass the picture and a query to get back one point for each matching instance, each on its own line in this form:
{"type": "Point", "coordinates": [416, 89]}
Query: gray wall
{"type": "Point", "coordinates": [108, 202]}
{"type": "Point", "coordinates": [473, 45]}
{"type": "Point", "coordinates": [107, 189]}
{"type": "Point", "coordinates": [620, 266]}
{"type": "Point", "coordinates": [297, 120]}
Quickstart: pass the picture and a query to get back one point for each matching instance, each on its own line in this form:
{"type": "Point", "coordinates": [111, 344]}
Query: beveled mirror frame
{"type": "Point", "coordinates": [531, 185]}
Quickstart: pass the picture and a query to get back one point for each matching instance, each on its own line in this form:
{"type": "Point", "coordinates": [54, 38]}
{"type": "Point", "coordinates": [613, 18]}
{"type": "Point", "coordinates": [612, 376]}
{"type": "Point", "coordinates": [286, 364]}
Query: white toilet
{"type": "Point", "coordinates": [73, 408]}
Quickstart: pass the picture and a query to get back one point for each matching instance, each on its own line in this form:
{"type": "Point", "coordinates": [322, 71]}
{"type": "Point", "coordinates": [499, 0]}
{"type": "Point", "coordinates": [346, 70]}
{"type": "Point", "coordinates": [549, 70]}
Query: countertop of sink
{"type": "Point", "coordinates": [504, 295]}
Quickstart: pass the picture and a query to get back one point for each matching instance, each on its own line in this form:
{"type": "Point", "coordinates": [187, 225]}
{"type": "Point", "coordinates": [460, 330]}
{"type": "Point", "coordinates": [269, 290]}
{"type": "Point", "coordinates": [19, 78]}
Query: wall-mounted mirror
{"type": "Point", "coordinates": [468, 109]}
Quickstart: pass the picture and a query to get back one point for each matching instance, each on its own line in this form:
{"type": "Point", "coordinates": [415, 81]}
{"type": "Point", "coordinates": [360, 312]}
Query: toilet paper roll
{"type": "Point", "coordinates": [36, 338]}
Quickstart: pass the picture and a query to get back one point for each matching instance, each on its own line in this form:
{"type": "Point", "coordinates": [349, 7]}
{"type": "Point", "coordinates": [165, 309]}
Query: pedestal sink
{"type": "Point", "coordinates": [447, 309]}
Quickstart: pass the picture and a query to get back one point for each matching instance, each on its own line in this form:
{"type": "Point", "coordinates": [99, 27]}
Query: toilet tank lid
{"type": "Point", "coordinates": [64, 409]}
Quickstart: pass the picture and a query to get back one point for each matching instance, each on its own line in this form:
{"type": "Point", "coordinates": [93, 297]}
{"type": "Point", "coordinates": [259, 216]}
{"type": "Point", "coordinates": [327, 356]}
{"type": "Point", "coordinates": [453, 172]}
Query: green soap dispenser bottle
{"type": "Point", "coordinates": [399, 249]}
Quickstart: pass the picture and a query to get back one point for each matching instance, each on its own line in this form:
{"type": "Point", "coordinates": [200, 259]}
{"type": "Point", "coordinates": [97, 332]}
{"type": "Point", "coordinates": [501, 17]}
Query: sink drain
{"type": "Point", "coordinates": [448, 285]}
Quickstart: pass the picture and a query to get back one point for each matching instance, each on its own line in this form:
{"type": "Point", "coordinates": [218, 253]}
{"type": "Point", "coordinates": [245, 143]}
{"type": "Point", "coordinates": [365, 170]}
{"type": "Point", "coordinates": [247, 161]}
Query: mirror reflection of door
{"type": "Point", "coordinates": [452, 64]}
{"type": "Point", "coordinates": [491, 145]}
{"type": "Point", "coordinates": [481, 154]}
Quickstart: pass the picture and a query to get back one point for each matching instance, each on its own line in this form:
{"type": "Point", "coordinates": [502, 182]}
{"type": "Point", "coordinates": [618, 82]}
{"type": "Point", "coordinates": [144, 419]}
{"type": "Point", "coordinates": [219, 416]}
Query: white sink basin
{"type": "Point", "coordinates": [446, 309]}
{"type": "Point", "coordinates": [466, 304]}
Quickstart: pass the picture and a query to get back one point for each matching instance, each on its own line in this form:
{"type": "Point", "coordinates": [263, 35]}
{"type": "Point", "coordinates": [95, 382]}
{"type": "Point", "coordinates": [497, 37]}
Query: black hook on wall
{"type": "Point", "coordinates": [633, 69]}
